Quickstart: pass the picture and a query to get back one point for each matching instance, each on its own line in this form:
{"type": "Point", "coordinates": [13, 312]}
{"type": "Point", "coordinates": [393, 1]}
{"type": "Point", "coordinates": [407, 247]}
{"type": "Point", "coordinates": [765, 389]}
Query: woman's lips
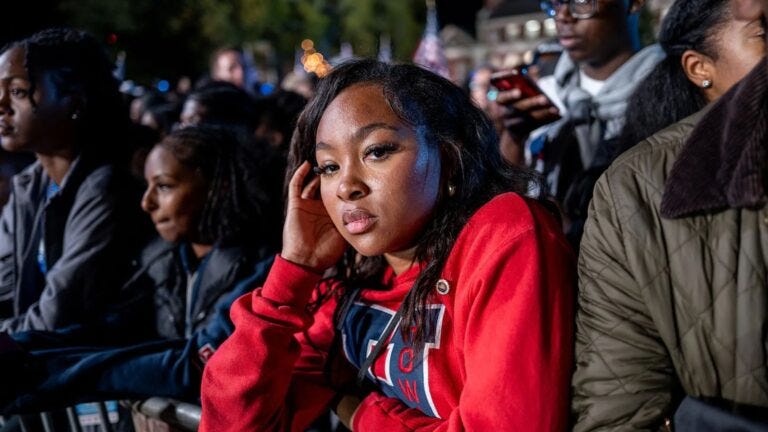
{"type": "Point", "coordinates": [358, 221]}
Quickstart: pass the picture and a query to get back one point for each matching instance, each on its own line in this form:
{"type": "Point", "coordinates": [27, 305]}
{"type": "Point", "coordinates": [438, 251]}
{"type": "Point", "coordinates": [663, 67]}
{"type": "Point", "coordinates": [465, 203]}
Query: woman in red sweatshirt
{"type": "Point", "coordinates": [450, 300]}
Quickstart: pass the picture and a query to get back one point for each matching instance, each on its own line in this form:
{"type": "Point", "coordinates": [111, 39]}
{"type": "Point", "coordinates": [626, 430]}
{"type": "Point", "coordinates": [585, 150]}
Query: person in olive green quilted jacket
{"type": "Point", "coordinates": [673, 271]}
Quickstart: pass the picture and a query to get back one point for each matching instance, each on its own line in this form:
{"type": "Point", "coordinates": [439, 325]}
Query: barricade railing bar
{"type": "Point", "coordinates": [180, 416]}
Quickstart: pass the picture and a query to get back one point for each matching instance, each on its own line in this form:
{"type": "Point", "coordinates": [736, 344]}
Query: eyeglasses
{"type": "Point", "coordinates": [579, 9]}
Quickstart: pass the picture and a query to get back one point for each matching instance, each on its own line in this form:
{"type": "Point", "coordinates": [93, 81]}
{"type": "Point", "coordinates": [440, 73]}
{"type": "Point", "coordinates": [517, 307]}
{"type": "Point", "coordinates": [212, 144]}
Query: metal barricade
{"type": "Point", "coordinates": [161, 414]}
{"type": "Point", "coordinates": [180, 416]}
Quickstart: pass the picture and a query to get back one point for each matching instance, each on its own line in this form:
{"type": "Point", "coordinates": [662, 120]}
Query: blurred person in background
{"type": "Point", "coordinates": [221, 104]}
{"type": "Point", "coordinates": [161, 118]}
{"type": "Point", "coordinates": [276, 117]}
{"type": "Point", "coordinates": [583, 106]}
{"type": "Point", "coordinates": [227, 65]}
{"type": "Point", "coordinates": [148, 100]}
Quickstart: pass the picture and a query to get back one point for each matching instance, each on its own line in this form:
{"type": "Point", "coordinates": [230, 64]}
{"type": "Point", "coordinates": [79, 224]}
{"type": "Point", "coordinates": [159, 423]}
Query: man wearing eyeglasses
{"type": "Point", "coordinates": [582, 113]}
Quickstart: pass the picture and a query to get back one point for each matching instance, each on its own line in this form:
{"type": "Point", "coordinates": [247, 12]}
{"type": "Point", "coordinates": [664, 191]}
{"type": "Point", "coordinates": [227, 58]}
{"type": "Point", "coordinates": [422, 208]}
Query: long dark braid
{"type": "Point", "coordinates": [240, 208]}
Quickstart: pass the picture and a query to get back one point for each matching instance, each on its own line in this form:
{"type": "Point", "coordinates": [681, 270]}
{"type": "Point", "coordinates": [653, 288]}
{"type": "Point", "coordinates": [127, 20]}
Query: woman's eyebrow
{"type": "Point", "coordinates": [364, 131]}
{"type": "Point", "coordinates": [360, 134]}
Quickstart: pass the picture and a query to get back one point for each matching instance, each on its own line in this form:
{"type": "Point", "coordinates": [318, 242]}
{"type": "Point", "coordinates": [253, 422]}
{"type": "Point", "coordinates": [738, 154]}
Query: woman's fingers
{"type": "Point", "coordinates": [295, 186]}
{"type": "Point", "coordinates": [310, 189]}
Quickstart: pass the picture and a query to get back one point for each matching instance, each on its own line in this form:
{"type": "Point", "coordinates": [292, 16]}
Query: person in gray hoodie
{"type": "Point", "coordinates": [72, 222]}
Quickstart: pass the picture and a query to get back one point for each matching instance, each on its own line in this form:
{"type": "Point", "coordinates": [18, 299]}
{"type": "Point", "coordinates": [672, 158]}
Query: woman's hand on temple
{"type": "Point", "coordinates": [309, 237]}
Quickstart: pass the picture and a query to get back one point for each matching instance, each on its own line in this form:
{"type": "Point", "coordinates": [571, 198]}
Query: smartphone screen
{"type": "Point", "coordinates": [515, 78]}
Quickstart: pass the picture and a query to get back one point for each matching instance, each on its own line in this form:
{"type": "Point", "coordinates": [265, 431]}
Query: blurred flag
{"type": "Point", "coordinates": [298, 66]}
{"type": "Point", "coordinates": [385, 49]}
{"type": "Point", "coordinates": [430, 53]}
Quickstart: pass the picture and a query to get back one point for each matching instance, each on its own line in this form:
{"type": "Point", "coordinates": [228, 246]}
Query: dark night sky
{"type": "Point", "coordinates": [26, 17]}
{"type": "Point", "coordinates": [459, 12]}
{"type": "Point", "coordinates": [31, 15]}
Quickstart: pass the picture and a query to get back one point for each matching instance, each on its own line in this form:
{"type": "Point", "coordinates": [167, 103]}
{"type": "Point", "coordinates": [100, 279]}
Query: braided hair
{"type": "Point", "coordinates": [444, 117]}
{"type": "Point", "coordinates": [239, 208]}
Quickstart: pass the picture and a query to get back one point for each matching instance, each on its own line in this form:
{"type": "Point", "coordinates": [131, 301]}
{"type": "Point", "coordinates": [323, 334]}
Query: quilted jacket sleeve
{"type": "Point", "coordinates": [623, 377]}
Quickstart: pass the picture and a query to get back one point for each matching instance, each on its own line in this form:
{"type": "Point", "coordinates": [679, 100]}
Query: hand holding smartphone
{"type": "Point", "coordinates": [527, 108]}
{"type": "Point", "coordinates": [516, 78]}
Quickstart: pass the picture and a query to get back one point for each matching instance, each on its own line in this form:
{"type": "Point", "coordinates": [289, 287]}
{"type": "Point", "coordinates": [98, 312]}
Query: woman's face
{"type": "Point", "coordinates": [175, 196]}
{"type": "Point", "coordinates": [379, 180]}
{"type": "Point", "coordinates": [192, 113]}
{"type": "Point", "coordinates": [22, 127]}
{"type": "Point", "coordinates": [740, 46]}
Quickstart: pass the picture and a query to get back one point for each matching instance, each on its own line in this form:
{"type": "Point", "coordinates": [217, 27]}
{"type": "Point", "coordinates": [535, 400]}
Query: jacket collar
{"type": "Point", "coordinates": [722, 164]}
{"type": "Point", "coordinates": [223, 264]}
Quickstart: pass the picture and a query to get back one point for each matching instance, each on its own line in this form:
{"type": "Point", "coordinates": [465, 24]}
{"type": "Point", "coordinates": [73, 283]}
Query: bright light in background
{"type": "Point", "coordinates": [312, 60]}
{"type": "Point", "coordinates": [532, 29]}
{"type": "Point", "coordinates": [267, 88]}
{"type": "Point", "coordinates": [163, 86]}
{"type": "Point", "coordinates": [550, 27]}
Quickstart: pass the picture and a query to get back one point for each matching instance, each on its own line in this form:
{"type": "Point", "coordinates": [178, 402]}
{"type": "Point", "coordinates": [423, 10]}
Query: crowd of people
{"type": "Point", "coordinates": [394, 250]}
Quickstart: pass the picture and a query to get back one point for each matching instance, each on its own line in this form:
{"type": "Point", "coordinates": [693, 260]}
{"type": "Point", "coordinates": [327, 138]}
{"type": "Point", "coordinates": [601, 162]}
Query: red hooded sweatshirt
{"type": "Point", "coordinates": [500, 357]}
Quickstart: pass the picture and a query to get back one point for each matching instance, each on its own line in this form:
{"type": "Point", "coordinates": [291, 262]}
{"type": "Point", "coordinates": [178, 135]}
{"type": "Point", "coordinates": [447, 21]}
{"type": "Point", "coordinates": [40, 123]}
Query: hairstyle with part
{"type": "Point", "coordinates": [443, 116]}
{"type": "Point", "coordinates": [667, 96]}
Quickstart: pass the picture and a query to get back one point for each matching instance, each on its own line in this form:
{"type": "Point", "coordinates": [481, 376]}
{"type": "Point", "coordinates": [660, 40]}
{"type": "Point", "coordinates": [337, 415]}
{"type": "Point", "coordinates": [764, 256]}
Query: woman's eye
{"type": "Point", "coordinates": [380, 151]}
{"type": "Point", "coordinates": [163, 187]}
{"type": "Point", "coordinates": [19, 92]}
{"type": "Point", "coordinates": [325, 170]}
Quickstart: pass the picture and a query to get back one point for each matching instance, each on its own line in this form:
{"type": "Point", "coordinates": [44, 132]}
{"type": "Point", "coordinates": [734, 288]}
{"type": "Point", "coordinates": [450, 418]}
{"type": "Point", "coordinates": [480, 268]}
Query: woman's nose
{"type": "Point", "coordinates": [5, 106]}
{"type": "Point", "coordinates": [351, 186]}
{"type": "Point", "coordinates": [148, 203]}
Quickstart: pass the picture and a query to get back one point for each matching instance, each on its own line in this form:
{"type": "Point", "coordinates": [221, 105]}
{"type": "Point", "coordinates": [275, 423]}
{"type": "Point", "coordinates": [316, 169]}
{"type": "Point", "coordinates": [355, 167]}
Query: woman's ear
{"type": "Point", "coordinates": [75, 104]}
{"type": "Point", "coordinates": [700, 70]}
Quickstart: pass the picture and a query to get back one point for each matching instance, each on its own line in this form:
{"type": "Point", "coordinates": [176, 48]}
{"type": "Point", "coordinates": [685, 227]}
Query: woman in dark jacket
{"type": "Point", "coordinates": [206, 196]}
{"type": "Point", "coordinates": [72, 223]}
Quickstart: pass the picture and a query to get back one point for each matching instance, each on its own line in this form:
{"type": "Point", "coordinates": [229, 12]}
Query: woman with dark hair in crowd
{"type": "Point", "coordinates": [451, 298]}
{"type": "Point", "coordinates": [708, 51]}
{"type": "Point", "coordinates": [219, 103]}
{"type": "Point", "coordinates": [276, 117]}
{"type": "Point", "coordinates": [205, 195]}
{"type": "Point", "coordinates": [72, 223]}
